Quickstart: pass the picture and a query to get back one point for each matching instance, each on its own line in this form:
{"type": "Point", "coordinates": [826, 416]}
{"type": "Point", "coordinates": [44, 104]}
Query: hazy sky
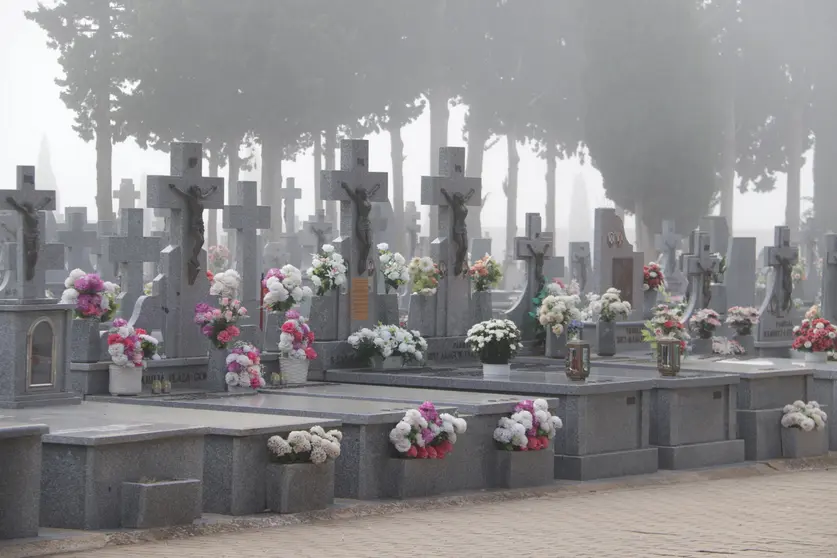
{"type": "Point", "coordinates": [31, 109]}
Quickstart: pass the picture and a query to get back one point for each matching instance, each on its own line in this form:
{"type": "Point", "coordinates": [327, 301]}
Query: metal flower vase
{"type": "Point", "coordinates": [668, 357]}
{"type": "Point", "coordinates": [649, 302]}
{"type": "Point", "coordinates": [578, 360]}
{"type": "Point", "coordinates": [605, 338]}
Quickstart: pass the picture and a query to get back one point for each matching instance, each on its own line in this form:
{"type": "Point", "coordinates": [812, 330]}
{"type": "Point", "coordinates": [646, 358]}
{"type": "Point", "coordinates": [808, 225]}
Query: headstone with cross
{"type": "Point", "coordinates": [320, 229]}
{"type": "Point", "coordinates": [412, 218]}
{"type": "Point", "coordinates": [356, 189]}
{"type": "Point", "coordinates": [581, 269]}
{"type": "Point", "coordinates": [245, 219]}
{"type": "Point", "coordinates": [453, 193]}
{"type": "Point", "coordinates": [829, 278]}
{"type": "Point", "coordinates": [105, 267]}
{"type": "Point", "coordinates": [288, 195]}
{"type": "Point", "coordinates": [615, 263]}
{"type": "Point", "coordinates": [80, 242]}
{"type": "Point", "coordinates": [741, 269]}
{"type": "Point", "coordinates": [666, 244]}
{"type": "Point", "coordinates": [126, 194]}
{"type": "Point", "coordinates": [480, 247]}
{"type": "Point", "coordinates": [778, 314]}
{"type": "Point", "coordinates": [186, 193]}
{"type": "Point", "coordinates": [701, 268]}
{"type": "Point", "coordinates": [129, 251]}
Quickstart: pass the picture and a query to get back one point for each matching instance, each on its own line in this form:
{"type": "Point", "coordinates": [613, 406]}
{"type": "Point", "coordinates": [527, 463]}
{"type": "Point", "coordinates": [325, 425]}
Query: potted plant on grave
{"type": "Point", "coordinates": [300, 475]}
{"type": "Point", "coordinates": [555, 313]}
{"type": "Point", "coordinates": [218, 324]}
{"type": "Point", "coordinates": [388, 347]}
{"type": "Point", "coordinates": [804, 430]}
{"type": "Point", "coordinates": [95, 302]}
{"type": "Point", "coordinates": [424, 433]}
{"type": "Point", "coordinates": [295, 348]}
{"type": "Point", "coordinates": [125, 350]}
{"type": "Point", "coordinates": [742, 319]}
{"type": "Point", "coordinates": [244, 368]}
{"type": "Point", "coordinates": [328, 270]}
{"type": "Point", "coordinates": [814, 337]}
{"type": "Point", "coordinates": [606, 309]}
{"type": "Point", "coordinates": [496, 342]}
{"type": "Point", "coordinates": [529, 428]}
{"type": "Point", "coordinates": [703, 323]}
{"type": "Point", "coordinates": [424, 276]}
{"type": "Point", "coordinates": [665, 331]}
{"type": "Point", "coordinates": [485, 275]}
{"type": "Point", "coordinates": [653, 282]}
{"type": "Point", "coordinates": [393, 268]}
{"type": "Point", "coordinates": [283, 289]}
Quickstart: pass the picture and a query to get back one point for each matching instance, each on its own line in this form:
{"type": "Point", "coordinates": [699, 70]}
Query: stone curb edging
{"type": "Point", "coordinates": [213, 525]}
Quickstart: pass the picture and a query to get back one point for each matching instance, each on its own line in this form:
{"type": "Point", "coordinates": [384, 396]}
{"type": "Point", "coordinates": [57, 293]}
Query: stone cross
{"type": "Point", "coordinates": [186, 193]}
{"type": "Point", "coordinates": [356, 188]}
{"type": "Point", "coordinates": [79, 241]}
{"type": "Point", "coordinates": [829, 278]}
{"type": "Point", "coordinates": [289, 194]}
{"type": "Point", "coordinates": [412, 218]}
{"type": "Point", "coordinates": [320, 228]}
{"type": "Point", "coordinates": [104, 265]}
{"type": "Point", "coordinates": [33, 258]}
{"type": "Point", "coordinates": [130, 250]}
{"type": "Point", "coordinates": [666, 245]}
{"type": "Point", "coordinates": [701, 267]}
{"type": "Point", "coordinates": [580, 265]}
{"type": "Point", "coordinates": [781, 257]}
{"type": "Point", "coordinates": [534, 249]}
{"type": "Point", "coordinates": [246, 219]}
{"type": "Point", "coordinates": [379, 224]}
{"type": "Point", "coordinates": [126, 195]}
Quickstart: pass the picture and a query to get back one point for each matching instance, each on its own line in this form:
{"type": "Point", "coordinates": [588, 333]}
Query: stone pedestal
{"type": "Point", "coordinates": [798, 443]}
{"type": "Point", "coordinates": [323, 316]}
{"type": "Point", "coordinates": [556, 347]}
{"type": "Point", "coordinates": [522, 469]}
{"type": "Point", "coordinates": [388, 309]}
{"type": "Point", "coordinates": [299, 487]}
{"type": "Point", "coordinates": [146, 505]}
{"type": "Point", "coordinates": [422, 315]}
{"type": "Point", "coordinates": [606, 338]}
{"type": "Point", "coordinates": [20, 479]}
{"type": "Point", "coordinates": [701, 346]}
{"type": "Point", "coordinates": [217, 369]}
{"type": "Point", "coordinates": [649, 299]}
{"type": "Point", "coordinates": [85, 345]}
{"type": "Point", "coordinates": [481, 306]}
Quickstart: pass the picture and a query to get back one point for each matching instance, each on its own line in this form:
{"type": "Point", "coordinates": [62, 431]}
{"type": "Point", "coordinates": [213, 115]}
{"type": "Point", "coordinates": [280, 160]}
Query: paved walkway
{"type": "Point", "coordinates": [777, 515]}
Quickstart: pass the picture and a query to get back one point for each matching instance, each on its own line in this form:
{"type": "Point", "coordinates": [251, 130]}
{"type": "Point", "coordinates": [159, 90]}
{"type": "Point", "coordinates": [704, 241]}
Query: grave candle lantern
{"type": "Point", "coordinates": [578, 360]}
{"type": "Point", "coordinates": [668, 357]}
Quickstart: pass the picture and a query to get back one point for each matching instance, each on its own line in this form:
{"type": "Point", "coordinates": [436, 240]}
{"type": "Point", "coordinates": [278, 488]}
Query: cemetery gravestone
{"type": "Point", "coordinates": [581, 269]}
{"type": "Point", "coordinates": [739, 278]}
{"type": "Point", "coordinates": [105, 267]}
{"type": "Point", "coordinates": [718, 229]}
{"type": "Point", "coordinates": [320, 228]}
{"type": "Point", "coordinates": [413, 219]}
{"type": "Point", "coordinates": [452, 192]}
{"type": "Point", "coordinates": [829, 278]}
{"type": "Point", "coordinates": [667, 244]}
{"type": "Point", "coordinates": [535, 248]}
{"type": "Point", "coordinates": [126, 195]}
{"type": "Point", "coordinates": [701, 267]}
{"type": "Point", "coordinates": [616, 264]}
{"type": "Point", "coordinates": [130, 251]}
{"type": "Point", "coordinates": [79, 241]}
{"type": "Point", "coordinates": [778, 316]}
{"type": "Point", "coordinates": [288, 196]}
{"type": "Point", "coordinates": [480, 247]}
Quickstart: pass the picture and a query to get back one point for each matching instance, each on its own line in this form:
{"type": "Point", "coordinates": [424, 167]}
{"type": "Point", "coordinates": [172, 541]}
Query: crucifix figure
{"type": "Point", "coordinates": [194, 197]}
{"type": "Point", "coordinates": [539, 257]}
{"type": "Point", "coordinates": [363, 225]}
{"type": "Point", "coordinates": [31, 235]}
{"type": "Point", "coordinates": [781, 257]}
{"type": "Point", "coordinates": [534, 248]}
{"type": "Point", "coordinates": [702, 265]}
{"type": "Point", "coordinates": [580, 254]}
{"type": "Point", "coordinates": [458, 204]}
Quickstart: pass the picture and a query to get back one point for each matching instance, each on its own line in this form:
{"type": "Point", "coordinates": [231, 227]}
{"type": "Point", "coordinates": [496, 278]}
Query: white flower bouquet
{"type": "Point", "coordinates": [807, 416]}
{"type": "Point", "coordinates": [225, 284]}
{"type": "Point", "coordinates": [530, 427]}
{"type": "Point", "coordinates": [425, 276]}
{"type": "Point", "coordinates": [495, 341]}
{"type": "Point", "coordinates": [742, 319]}
{"type": "Point", "coordinates": [557, 311]}
{"type": "Point", "coordinates": [244, 366]}
{"type": "Point", "coordinates": [328, 270]}
{"type": "Point", "coordinates": [284, 289]}
{"type": "Point", "coordinates": [393, 268]}
{"type": "Point", "coordinates": [313, 446]}
{"type": "Point", "coordinates": [608, 307]}
{"type": "Point", "coordinates": [423, 433]}
{"type": "Point", "coordinates": [388, 340]}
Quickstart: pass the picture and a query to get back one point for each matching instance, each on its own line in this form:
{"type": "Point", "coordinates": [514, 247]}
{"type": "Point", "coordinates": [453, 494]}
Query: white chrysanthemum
{"type": "Point", "coordinates": [336, 434]}
{"type": "Point", "coordinates": [403, 446]}
{"type": "Point", "coordinates": [278, 446]}
{"type": "Point", "coordinates": [318, 430]}
{"type": "Point", "coordinates": [503, 435]}
{"type": "Point", "coordinates": [69, 296]}
{"type": "Point", "coordinates": [328, 248]}
{"type": "Point", "coordinates": [71, 279]}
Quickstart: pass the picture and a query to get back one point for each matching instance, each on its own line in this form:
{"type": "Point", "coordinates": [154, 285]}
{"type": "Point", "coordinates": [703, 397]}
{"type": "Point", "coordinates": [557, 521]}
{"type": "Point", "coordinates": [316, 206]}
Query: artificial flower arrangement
{"type": "Point", "coordinates": [485, 273]}
{"type": "Point", "coordinates": [218, 257]}
{"type": "Point", "coordinates": [725, 346]}
{"type": "Point", "coordinates": [557, 311]}
{"type": "Point", "coordinates": [225, 284]}
{"type": "Point", "coordinates": [148, 288]}
{"type": "Point", "coordinates": [388, 340]}
{"type": "Point", "coordinates": [665, 324]}
{"type": "Point", "coordinates": [805, 416]}
{"type": "Point", "coordinates": [92, 297]}
{"type": "Point", "coordinates": [393, 268]}
{"type": "Point", "coordinates": [742, 319]}
{"type": "Point", "coordinates": [149, 345]}
{"type": "Point", "coordinates": [814, 335]}
{"type": "Point", "coordinates": [425, 276]}
{"type": "Point", "coordinates": [244, 366]}
{"type": "Point", "coordinates": [798, 272]}
{"type": "Point", "coordinates": [608, 307]}
{"type": "Point", "coordinates": [652, 277]}
{"type": "Point", "coordinates": [283, 289]}
{"type": "Point", "coordinates": [124, 345]}
{"type": "Point", "coordinates": [704, 322]}
{"type": "Point", "coordinates": [315, 446]}
{"type": "Point", "coordinates": [327, 271]}
{"type": "Point", "coordinates": [218, 324]}
{"type": "Point", "coordinates": [530, 427]}
{"type": "Point", "coordinates": [495, 341]}
{"type": "Point", "coordinates": [296, 338]}
{"type": "Point", "coordinates": [424, 433]}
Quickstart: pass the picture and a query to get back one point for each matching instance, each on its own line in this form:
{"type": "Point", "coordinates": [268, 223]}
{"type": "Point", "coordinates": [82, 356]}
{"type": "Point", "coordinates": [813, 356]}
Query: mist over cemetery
{"type": "Point", "coordinates": [212, 345]}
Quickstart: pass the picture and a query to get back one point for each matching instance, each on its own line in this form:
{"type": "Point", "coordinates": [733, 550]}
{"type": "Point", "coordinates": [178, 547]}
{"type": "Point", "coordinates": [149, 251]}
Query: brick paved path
{"type": "Point", "coordinates": [777, 515]}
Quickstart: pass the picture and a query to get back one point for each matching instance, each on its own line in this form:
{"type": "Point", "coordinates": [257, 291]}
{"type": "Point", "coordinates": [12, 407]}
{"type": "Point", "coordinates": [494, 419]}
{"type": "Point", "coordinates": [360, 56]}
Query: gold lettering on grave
{"type": "Point", "coordinates": [359, 298]}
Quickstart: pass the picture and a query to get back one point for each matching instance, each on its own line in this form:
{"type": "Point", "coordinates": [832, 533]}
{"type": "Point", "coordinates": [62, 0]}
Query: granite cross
{"type": "Point", "coordinates": [131, 250]}
{"type": "Point", "coordinates": [781, 257]}
{"type": "Point", "coordinates": [666, 244]}
{"type": "Point", "coordinates": [79, 241]}
{"type": "Point", "coordinates": [288, 195]}
{"type": "Point", "coordinates": [246, 218]}
{"type": "Point", "coordinates": [453, 192]}
{"type": "Point", "coordinates": [534, 248]}
{"type": "Point", "coordinates": [412, 218]}
{"type": "Point", "coordinates": [701, 266]}
{"type": "Point", "coordinates": [379, 223]}
{"type": "Point", "coordinates": [104, 265]}
{"type": "Point", "coordinates": [320, 228]}
{"type": "Point", "coordinates": [126, 195]}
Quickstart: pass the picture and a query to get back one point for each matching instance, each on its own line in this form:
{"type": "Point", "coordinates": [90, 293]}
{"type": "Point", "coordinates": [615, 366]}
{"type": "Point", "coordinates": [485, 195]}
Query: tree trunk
{"type": "Point", "coordinates": [642, 237]}
{"type": "Point", "coordinates": [477, 138]}
{"type": "Point", "coordinates": [212, 223]}
{"type": "Point", "coordinates": [511, 195]}
{"type": "Point", "coordinates": [438, 99]}
{"type": "Point", "coordinates": [318, 168]}
{"type": "Point", "coordinates": [551, 163]}
{"type": "Point", "coordinates": [101, 117]}
{"type": "Point", "coordinates": [397, 155]}
{"type": "Point", "coordinates": [330, 148]}
{"type": "Point", "coordinates": [271, 183]}
{"type": "Point", "coordinates": [727, 175]}
{"type": "Point", "coordinates": [795, 144]}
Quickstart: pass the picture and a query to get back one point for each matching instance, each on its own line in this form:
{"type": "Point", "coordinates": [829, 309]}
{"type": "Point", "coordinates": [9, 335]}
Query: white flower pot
{"type": "Point", "coordinates": [817, 358]}
{"type": "Point", "coordinates": [294, 370]}
{"type": "Point", "coordinates": [125, 380]}
{"type": "Point", "coordinates": [496, 370]}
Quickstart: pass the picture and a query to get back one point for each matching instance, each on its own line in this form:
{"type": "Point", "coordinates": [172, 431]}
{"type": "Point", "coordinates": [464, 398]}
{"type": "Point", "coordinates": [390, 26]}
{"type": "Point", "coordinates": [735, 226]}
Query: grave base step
{"type": "Point", "coordinates": [761, 431]}
{"type": "Point", "coordinates": [40, 400]}
{"type": "Point", "coordinates": [606, 465]}
{"type": "Point", "coordinates": [696, 456]}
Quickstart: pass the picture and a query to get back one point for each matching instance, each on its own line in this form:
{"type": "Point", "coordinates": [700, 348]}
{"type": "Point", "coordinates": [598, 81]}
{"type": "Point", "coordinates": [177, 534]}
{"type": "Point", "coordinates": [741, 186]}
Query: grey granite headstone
{"type": "Point", "coordinates": [535, 242]}
{"type": "Point", "coordinates": [701, 267]}
{"type": "Point", "coordinates": [126, 195]}
{"type": "Point", "coordinates": [581, 269]}
{"type": "Point", "coordinates": [718, 229]}
{"type": "Point", "coordinates": [130, 250]}
{"type": "Point", "coordinates": [778, 315]}
{"type": "Point", "coordinates": [667, 244]}
{"type": "Point", "coordinates": [615, 264]}
{"type": "Point", "coordinates": [739, 278]}
{"type": "Point", "coordinates": [289, 194]}
{"type": "Point", "coordinates": [79, 242]}
{"type": "Point", "coordinates": [480, 247]}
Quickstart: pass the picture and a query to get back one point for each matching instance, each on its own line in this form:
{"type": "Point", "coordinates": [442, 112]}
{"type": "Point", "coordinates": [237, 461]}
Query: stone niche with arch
{"type": "Point", "coordinates": [34, 349]}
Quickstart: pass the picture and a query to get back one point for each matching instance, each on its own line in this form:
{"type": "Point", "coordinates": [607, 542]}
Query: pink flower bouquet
{"type": "Point", "coordinates": [529, 428]}
{"type": "Point", "coordinates": [244, 367]}
{"type": "Point", "coordinates": [424, 433]}
{"type": "Point", "coordinates": [124, 345]}
{"type": "Point", "coordinates": [88, 292]}
{"type": "Point", "coordinates": [296, 339]}
{"type": "Point", "coordinates": [218, 324]}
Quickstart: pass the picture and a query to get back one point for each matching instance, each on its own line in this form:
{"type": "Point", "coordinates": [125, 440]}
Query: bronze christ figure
{"type": "Point", "coordinates": [363, 225]}
{"type": "Point", "coordinates": [458, 205]}
{"type": "Point", "coordinates": [194, 198]}
{"type": "Point", "coordinates": [31, 233]}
